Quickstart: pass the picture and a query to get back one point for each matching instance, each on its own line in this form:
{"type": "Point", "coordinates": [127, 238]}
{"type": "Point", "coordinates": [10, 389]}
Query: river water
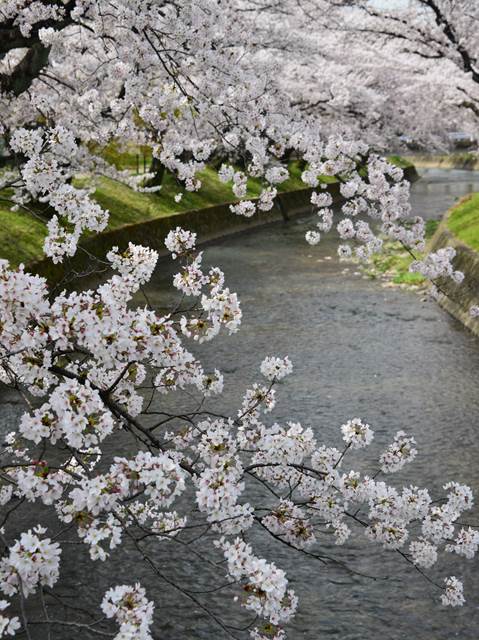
{"type": "Point", "coordinates": [358, 349]}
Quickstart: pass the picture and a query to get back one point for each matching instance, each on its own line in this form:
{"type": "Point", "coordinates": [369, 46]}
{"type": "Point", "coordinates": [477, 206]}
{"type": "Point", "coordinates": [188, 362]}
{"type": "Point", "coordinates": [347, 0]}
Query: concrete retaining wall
{"type": "Point", "coordinates": [461, 297]}
{"type": "Point", "coordinates": [209, 223]}
{"type": "Point", "coordinates": [453, 161]}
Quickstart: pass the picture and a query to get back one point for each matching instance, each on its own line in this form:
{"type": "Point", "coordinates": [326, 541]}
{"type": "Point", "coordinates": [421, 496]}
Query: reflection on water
{"type": "Point", "coordinates": [358, 350]}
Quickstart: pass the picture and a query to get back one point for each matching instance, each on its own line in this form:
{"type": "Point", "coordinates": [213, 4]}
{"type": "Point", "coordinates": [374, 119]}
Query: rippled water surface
{"type": "Point", "coordinates": [358, 349]}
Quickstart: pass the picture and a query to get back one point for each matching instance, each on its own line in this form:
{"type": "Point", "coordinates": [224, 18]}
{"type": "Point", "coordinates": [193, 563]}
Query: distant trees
{"type": "Point", "coordinates": [381, 70]}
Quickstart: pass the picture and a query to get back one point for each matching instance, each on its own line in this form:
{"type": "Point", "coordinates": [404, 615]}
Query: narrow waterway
{"type": "Point", "coordinates": [358, 349]}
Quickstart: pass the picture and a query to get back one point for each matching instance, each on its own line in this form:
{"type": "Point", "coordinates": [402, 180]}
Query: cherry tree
{"type": "Point", "coordinates": [96, 458]}
{"type": "Point", "coordinates": [428, 29]}
{"type": "Point", "coordinates": [439, 37]}
{"type": "Point", "coordinates": [377, 64]}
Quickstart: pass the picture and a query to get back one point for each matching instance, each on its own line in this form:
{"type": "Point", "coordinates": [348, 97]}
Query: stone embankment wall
{"type": "Point", "coordinates": [459, 298]}
{"type": "Point", "coordinates": [464, 160]}
{"type": "Point", "coordinates": [209, 223]}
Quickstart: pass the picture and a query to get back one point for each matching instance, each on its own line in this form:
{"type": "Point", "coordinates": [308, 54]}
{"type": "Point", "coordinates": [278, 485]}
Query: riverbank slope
{"type": "Point", "coordinates": [460, 229]}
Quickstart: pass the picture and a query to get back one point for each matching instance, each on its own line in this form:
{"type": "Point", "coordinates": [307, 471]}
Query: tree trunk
{"type": "Point", "coordinates": [158, 169]}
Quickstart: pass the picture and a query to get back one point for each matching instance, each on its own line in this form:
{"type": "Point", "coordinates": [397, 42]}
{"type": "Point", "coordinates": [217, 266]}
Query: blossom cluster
{"type": "Point", "coordinates": [51, 160]}
{"type": "Point", "coordinates": [31, 561]}
{"type": "Point", "coordinates": [134, 492]}
{"type": "Point", "coordinates": [130, 608]}
{"type": "Point", "coordinates": [438, 265]}
{"type": "Point", "coordinates": [265, 585]}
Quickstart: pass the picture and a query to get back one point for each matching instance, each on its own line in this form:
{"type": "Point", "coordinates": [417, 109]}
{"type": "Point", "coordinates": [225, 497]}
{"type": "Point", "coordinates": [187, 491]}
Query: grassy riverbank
{"type": "Point", "coordinates": [463, 221]}
{"type": "Point", "coordinates": [392, 264]}
{"type": "Point", "coordinates": [22, 232]}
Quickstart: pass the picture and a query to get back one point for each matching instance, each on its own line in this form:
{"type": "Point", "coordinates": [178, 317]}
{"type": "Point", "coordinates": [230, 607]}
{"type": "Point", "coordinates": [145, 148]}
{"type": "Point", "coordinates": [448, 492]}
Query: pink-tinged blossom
{"type": "Point", "coordinates": [180, 241]}
{"type": "Point", "coordinates": [265, 586]}
{"type": "Point", "coordinates": [435, 265]}
{"type": "Point", "coordinates": [453, 593]}
{"type": "Point", "coordinates": [276, 368]}
{"type": "Point", "coordinates": [399, 453]}
{"type": "Point", "coordinates": [357, 434]}
{"type": "Point", "coordinates": [244, 208]}
{"type": "Point", "coordinates": [8, 626]}
{"type": "Point", "coordinates": [287, 521]}
{"type": "Point", "coordinates": [466, 543]}
{"type": "Point", "coordinates": [131, 610]}
{"type": "Point", "coordinates": [438, 525]}
{"type": "Point", "coordinates": [459, 496]}
{"type": "Point", "coordinates": [31, 561]}
{"type": "Point", "coordinates": [346, 229]}
{"type": "Point", "coordinates": [268, 633]}
{"type": "Point", "coordinates": [321, 199]}
{"type": "Point", "coordinates": [136, 264]}
{"type": "Point", "coordinates": [390, 534]}
{"type": "Point", "coordinates": [313, 237]}
{"type": "Point", "coordinates": [74, 413]}
{"type": "Point", "coordinates": [423, 553]}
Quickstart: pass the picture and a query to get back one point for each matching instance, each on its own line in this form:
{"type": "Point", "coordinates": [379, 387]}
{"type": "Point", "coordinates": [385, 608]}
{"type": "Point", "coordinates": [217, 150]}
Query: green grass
{"type": "Point", "coordinates": [127, 206]}
{"type": "Point", "coordinates": [401, 162]}
{"type": "Point", "coordinates": [463, 221]}
{"type": "Point", "coordinates": [394, 261]}
{"type": "Point", "coordinates": [131, 157]}
{"type": "Point", "coordinates": [21, 235]}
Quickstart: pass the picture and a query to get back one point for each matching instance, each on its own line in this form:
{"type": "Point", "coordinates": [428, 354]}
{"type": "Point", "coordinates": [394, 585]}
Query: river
{"type": "Point", "coordinates": [359, 349]}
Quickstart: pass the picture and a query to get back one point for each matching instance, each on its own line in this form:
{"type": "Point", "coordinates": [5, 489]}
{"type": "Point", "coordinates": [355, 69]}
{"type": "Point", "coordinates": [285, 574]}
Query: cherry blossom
{"type": "Point", "coordinates": [452, 595]}
{"type": "Point", "coordinates": [130, 608]}
{"type": "Point", "coordinates": [356, 433]}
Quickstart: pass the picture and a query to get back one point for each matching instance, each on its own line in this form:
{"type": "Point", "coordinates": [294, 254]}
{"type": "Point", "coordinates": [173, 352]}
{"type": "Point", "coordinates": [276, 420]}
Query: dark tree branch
{"type": "Point", "coordinates": [26, 70]}
{"type": "Point", "coordinates": [36, 57]}
{"type": "Point", "coordinates": [447, 28]}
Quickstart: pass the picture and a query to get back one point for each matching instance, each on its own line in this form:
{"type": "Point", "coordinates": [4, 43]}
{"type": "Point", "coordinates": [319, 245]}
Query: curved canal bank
{"type": "Point", "coordinates": [458, 228]}
{"type": "Point", "coordinates": [444, 190]}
